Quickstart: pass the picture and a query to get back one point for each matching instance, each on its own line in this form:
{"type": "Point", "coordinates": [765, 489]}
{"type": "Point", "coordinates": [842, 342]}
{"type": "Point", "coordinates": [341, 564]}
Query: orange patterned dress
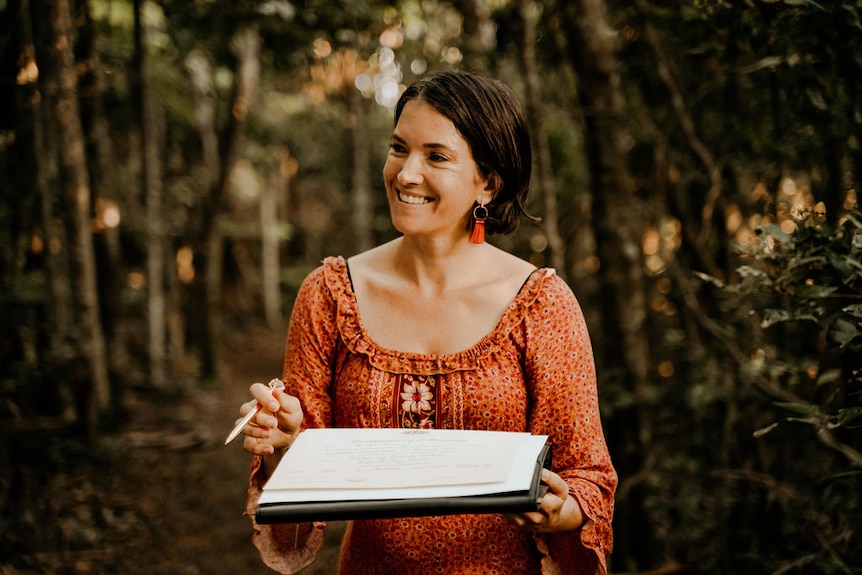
{"type": "Point", "coordinates": [534, 372]}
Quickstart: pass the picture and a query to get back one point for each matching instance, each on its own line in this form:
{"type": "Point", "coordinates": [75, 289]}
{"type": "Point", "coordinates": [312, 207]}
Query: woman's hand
{"type": "Point", "coordinates": [276, 426]}
{"type": "Point", "coordinates": [558, 511]}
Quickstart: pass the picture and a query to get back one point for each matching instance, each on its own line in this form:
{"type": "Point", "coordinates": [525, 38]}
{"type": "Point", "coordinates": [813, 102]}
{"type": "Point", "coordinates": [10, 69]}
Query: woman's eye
{"type": "Point", "coordinates": [397, 148]}
{"type": "Point", "coordinates": [437, 158]}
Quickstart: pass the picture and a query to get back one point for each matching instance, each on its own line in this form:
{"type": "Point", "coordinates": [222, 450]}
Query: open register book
{"type": "Point", "coordinates": [337, 474]}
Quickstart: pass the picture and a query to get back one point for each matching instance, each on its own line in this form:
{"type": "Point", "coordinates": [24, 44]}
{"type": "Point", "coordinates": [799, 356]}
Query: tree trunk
{"type": "Point", "coordinates": [155, 233]}
{"type": "Point", "coordinates": [199, 66]}
{"type": "Point", "coordinates": [246, 47]}
{"type": "Point", "coordinates": [36, 101]}
{"type": "Point", "coordinates": [547, 185]}
{"type": "Point", "coordinates": [617, 209]}
{"type": "Point", "coordinates": [269, 236]}
{"type": "Point", "coordinates": [362, 216]}
{"type": "Point", "coordinates": [624, 350]}
{"type": "Point", "coordinates": [107, 238]}
{"type": "Point", "coordinates": [474, 17]}
{"type": "Point", "coordinates": [77, 189]}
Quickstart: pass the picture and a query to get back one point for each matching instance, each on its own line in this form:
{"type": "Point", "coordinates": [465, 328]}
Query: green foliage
{"type": "Point", "coordinates": [795, 316]}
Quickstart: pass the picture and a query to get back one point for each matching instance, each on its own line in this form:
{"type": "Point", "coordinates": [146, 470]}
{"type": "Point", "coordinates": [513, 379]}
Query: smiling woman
{"type": "Point", "coordinates": [488, 118]}
{"type": "Point", "coordinates": [434, 330]}
{"type": "Point", "coordinates": [431, 178]}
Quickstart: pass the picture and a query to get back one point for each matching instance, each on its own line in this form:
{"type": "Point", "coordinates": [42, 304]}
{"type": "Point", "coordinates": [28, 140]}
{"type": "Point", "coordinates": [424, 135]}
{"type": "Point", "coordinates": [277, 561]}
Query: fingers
{"type": "Point", "coordinates": [263, 394]}
{"type": "Point", "coordinates": [289, 413]}
{"type": "Point", "coordinates": [557, 510]}
{"type": "Point", "coordinates": [261, 418]}
{"type": "Point", "coordinates": [276, 423]}
{"type": "Point", "coordinates": [256, 446]}
{"type": "Point", "coordinates": [555, 484]}
{"type": "Point", "coordinates": [261, 434]}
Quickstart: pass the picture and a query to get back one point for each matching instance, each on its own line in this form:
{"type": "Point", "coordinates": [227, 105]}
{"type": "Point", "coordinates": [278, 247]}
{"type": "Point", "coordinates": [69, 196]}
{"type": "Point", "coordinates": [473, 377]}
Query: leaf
{"type": "Point", "coordinates": [846, 265]}
{"type": "Point", "coordinates": [811, 420]}
{"type": "Point", "coordinates": [710, 280]}
{"type": "Point", "coordinates": [777, 233]}
{"type": "Point", "coordinates": [855, 310]}
{"type": "Point", "coordinates": [847, 415]}
{"type": "Point", "coordinates": [843, 332]}
{"type": "Point", "coordinates": [806, 263]}
{"type": "Point", "coordinates": [773, 316]}
{"type": "Point", "coordinates": [854, 219]}
{"type": "Point", "coordinates": [829, 376]}
{"type": "Point", "coordinates": [764, 430]}
{"type": "Point", "coordinates": [748, 271]}
{"type": "Point", "coordinates": [811, 315]}
{"type": "Point", "coordinates": [816, 291]}
{"type": "Point", "coordinates": [753, 279]}
{"type": "Point", "coordinates": [805, 3]}
{"type": "Point", "coordinates": [799, 408]}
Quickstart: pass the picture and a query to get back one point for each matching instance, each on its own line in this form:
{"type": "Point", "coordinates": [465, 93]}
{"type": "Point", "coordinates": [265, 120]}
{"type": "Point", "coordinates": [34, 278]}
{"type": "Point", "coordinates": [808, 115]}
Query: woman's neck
{"type": "Point", "coordinates": [437, 265]}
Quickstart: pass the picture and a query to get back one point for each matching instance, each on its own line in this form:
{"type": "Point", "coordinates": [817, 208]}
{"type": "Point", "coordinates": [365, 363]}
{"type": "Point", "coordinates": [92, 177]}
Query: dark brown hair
{"type": "Point", "coordinates": [488, 116]}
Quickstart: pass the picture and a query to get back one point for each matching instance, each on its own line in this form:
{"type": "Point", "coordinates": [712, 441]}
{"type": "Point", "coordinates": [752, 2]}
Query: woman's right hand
{"type": "Point", "coordinates": [276, 426]}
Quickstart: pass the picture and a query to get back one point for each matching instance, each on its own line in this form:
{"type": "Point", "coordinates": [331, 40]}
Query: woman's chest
{"type": "Point", "coordinates": [432, 326]}
{"type": "Point", "coordinates": [491, 395]}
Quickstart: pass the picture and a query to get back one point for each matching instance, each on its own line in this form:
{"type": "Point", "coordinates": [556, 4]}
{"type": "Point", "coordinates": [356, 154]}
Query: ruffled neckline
{"type": "Point", "coordinates": [357, 340]}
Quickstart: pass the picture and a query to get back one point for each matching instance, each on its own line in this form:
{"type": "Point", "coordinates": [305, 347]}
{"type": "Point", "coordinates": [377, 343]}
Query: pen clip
{"type": "Point", "coordinates": [275, 383]}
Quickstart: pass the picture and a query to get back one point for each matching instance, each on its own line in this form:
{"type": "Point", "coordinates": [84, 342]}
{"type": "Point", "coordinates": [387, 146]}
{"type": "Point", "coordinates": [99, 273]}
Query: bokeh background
{"type": "Point", "coordinates": [171, 169]}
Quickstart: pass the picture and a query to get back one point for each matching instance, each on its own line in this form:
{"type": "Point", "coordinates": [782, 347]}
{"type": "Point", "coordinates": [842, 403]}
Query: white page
{"type": "Point", "coordinates": [368, 464]}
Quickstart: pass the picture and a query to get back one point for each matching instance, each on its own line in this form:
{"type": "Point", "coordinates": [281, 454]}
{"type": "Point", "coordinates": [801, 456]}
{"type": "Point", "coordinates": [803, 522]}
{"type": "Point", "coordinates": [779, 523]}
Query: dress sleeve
{"type": "Point", "coordinates": [561, 377]}
{"type": "Point", "coordinates": [312, 337]}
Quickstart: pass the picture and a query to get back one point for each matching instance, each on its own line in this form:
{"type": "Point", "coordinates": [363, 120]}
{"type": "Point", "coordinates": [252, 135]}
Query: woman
{"type": "Point", "coordinates": [438, 329]}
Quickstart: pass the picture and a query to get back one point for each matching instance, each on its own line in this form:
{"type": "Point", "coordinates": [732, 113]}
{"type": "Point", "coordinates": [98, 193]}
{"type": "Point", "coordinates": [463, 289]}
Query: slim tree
{"type": "Point", "coordinates": [619, 222]}
{"type": "Point", "coordinates": [361, 195]}
{"type": "Point", "coordinates": [545, 176]}
{"type": "Point", "coordinates": [76, 185]}
{"type": "Point", "coordinates": [246, 45]}
{"type": "Point", "coordinates": [102, 162]}
{"type": "Point", "coordinates": [151, 143]}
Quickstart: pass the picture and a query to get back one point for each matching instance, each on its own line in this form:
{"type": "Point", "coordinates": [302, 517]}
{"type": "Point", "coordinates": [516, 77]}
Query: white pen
{"type": "Point", "coordinates": [273, 385]}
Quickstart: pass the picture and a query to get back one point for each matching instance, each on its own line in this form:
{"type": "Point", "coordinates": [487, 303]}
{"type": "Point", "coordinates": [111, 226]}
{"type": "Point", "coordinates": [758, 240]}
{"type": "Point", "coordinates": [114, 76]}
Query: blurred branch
{"type": "Point", "coordinates": [827, 438]}
{"type": "Point", "coordinates": [764, 384]}
{"type": "Point", "coordinates": [686, 124]}
{"type": "Point", "coordinates": [796, 564]}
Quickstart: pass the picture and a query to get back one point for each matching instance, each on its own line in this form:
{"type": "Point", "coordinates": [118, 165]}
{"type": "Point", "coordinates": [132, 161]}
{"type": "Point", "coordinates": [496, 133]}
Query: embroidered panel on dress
{"type": "Point", "coordinates": [416, 402]}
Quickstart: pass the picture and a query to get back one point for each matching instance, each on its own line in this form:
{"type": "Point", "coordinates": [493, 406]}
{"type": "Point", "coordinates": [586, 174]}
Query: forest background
{"type": "Point", "coordinates": [170, 170]}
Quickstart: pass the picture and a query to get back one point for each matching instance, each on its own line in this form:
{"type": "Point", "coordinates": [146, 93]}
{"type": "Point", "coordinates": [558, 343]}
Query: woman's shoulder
{"type": "Point", "coordinates": [379, 258]}
{"type": "Point", "coordinates": [508, 264]}
{"type": "Point", "coordinates": [545, 294]}
{"type": "Point", "coordinates": [330, 277]}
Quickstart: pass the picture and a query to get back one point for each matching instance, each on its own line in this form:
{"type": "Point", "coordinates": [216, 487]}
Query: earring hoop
{"type": "Point", "coordinates": [480, 214]}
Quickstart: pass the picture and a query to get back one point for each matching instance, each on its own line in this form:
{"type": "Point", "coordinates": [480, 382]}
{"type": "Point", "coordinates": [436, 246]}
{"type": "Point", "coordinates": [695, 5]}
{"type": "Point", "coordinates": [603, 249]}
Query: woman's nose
{"type": "Point", "coordinates": [411, 170]}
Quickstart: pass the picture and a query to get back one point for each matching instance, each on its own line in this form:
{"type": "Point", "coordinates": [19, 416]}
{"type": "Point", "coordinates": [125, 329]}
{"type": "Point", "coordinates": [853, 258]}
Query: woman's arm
{"type": "Point", "coordinates": [305, 402]}
{"type": "Point", "coordinates": [561, 378]}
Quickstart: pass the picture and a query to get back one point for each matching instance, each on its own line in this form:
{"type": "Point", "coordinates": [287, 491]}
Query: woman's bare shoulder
{"type": "Point", "coordinates": [510, 268]}
{"type": "Point", "coordinates": [372, 268]}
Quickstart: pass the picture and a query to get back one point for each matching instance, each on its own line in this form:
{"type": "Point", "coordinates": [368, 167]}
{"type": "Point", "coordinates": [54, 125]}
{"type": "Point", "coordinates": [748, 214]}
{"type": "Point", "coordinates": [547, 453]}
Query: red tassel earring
{"type": "Point", "coordinates": [480, 213]}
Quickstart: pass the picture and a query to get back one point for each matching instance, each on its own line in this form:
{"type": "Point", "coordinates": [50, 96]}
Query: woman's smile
{"type": "Point", "coordinates": [415, 199]}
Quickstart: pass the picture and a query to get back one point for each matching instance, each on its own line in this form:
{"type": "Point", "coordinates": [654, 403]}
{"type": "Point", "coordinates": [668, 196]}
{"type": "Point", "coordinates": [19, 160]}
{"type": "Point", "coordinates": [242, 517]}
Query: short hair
{"type": "Point", "coordinates": [488, 115]}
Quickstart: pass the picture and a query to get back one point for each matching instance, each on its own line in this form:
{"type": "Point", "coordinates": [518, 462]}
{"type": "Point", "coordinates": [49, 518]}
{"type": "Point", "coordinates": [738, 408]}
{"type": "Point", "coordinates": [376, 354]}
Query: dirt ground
{"type": "Point", "coordinates": [164, 495]}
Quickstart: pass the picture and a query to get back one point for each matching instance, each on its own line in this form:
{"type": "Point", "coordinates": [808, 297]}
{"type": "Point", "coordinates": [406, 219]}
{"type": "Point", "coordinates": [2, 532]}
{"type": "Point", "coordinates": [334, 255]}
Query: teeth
{"type": "Point", "coordinates": [413, 199]}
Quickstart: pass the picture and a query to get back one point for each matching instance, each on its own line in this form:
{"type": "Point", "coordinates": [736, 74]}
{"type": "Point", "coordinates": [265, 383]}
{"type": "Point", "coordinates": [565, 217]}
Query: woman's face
{"type": "Point", "coordinates": [431, 178]}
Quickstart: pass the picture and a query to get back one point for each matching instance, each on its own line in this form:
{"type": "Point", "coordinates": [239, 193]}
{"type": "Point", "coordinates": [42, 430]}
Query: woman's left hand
{"type": "Point", "coordinates": [558, 511]}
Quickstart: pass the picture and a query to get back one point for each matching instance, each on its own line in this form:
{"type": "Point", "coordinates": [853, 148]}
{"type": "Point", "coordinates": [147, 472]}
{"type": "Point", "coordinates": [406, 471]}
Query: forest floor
{"type": "Point", "coordinates": [162, 494]}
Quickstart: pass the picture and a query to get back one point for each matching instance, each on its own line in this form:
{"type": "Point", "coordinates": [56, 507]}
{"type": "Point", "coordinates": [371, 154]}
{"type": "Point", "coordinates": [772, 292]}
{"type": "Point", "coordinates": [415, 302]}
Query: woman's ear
{"type": "Point", "coordinates": [493, 185]}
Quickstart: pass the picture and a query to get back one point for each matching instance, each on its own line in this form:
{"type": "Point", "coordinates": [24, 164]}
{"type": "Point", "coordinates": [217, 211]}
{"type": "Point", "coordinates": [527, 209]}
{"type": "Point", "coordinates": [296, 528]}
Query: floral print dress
{"type": "Point", "coordinates": [534, 372]}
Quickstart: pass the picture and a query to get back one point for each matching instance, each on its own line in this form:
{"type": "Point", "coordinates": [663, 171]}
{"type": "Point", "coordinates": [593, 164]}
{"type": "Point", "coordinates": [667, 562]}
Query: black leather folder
{"type": "Point", "coordinates": [349, 509]}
